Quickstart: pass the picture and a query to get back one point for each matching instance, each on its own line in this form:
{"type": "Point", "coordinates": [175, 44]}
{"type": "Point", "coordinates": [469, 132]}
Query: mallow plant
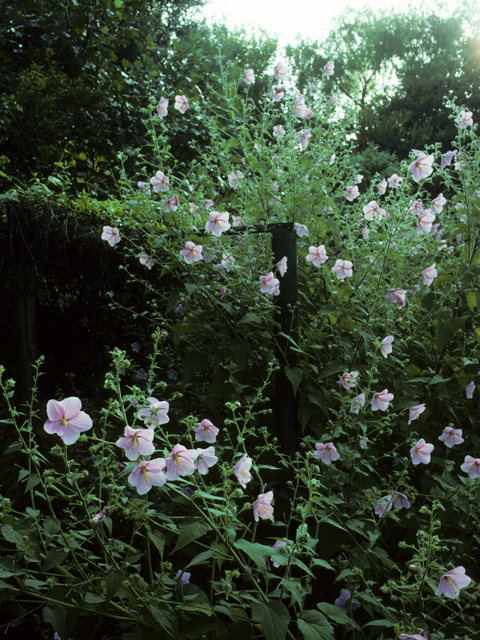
{"type": "Point", "coordinates": [173, 512]}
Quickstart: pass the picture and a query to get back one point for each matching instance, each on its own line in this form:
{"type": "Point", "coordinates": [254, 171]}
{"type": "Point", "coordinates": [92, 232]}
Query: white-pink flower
{"type": "Point", "coordinates": [438, 203]}
{"type": "Point", "coordinates": [278, 131]}
{"type": "Point", "coordinates": [162, 107]}
{"type": "Point", "coordinates": [192, 252]}
{"type": "Point", "coordinates": [348, 379]}
{"type": "Point", "coordinates": [357, 403]}
{"type": "Point", "coordinates": [421, 452]}
{"type": "Point", "coordinates": [429, 274]}
{"type": "Point", "coordinates": [381, 400]}
{"type": "Point", "coordinates": [282, 266]}
{"type": "Point", "coordinates": [452, 581]}
{"type": "Point", "coordinates": [394, 181]}
{"type": "Point", "coordinates": [352, 192]}
{"type": "Point", "coordinates": [465, 119]}
{"type": "Point", "coordinates": [262, 507]}
{"type": "Point", "coordinates": [277, 93]}
{"type": "Point", "coordinates": [304, 136]}
{"type": "Point", "coordinates": [242, 470]}
{"type": "Point", "coordinates": [171, 204]}
{"type": "Point", "coordinates": [415, 412]}
{"type": "Point", "coordinates": [329, 68]}
{"type": "Point", "coordinates": [451, 437]}
{"type": "Point", "coordinates": [470, 389]}
{"type": "Point", "coordinates": [180, 462]}
{"type": "Point", "coordinates": [372, 211]}
{"type": "Point", "coordinates": [248, 76]}
{"type": "Point", "coordinates": [416, 207]}
{"type": "Point", "coordinates": [300, 229]}
{"type": "Point", "coordinates": [66, 419]}
{"type": "Point", "coordinates": [382, 187]}
{"type": "Point", "coordinates": [181, 103]}
{"type": "Point", "coordinates": [425, 221]}
{"type": "Point", "coordinates": [386, 347]}
{"type": "Point", "coordinates": [269, 285]}
{"type": "Point", "coordinates": [156, 413]}
{"type": "Point", "coordinates": [327, 453]}
{"type": "Point", "coordinates": [422, 166]}
{"type": "Point", "coordinates": [300, 107]}
{"type": "Point", "coordinates": [146, 260]}
{"type": "Point", "coordinates": [358, 178]}
{"type": "Point", "coordinates": [343, 269]}
{"type": "Point", "coordinates": [136, 442]}
{"type": "Point", "coordinates": [317, 255]}
{"type": "Point", "coordinates": [280, 71]}
{"type": "Point", "coordinates": [471, 466]}
{"type": "Point", "coordinates": [159, 182]}
{"type": "Point", "coordinates": [205, 459]}
{"type": "Point", "coordinates": [238, 222]}
{"type": "Point", "coordinates": [147, 474]}
{"type": "Point", "coordinates": [218, 223]}
{"type": "Point", "coordinates": [233, 178]}
{"type": "Point", "coordinates": [206, 432]}
{"type": "Point", "coordinates": [111, 235]}
{"type": "Point", "coordinates": [397, 296]}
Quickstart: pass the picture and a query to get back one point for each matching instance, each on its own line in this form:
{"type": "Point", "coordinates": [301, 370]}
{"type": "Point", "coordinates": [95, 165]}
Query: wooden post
{"type": "Point", "coordinates": [284, 243]}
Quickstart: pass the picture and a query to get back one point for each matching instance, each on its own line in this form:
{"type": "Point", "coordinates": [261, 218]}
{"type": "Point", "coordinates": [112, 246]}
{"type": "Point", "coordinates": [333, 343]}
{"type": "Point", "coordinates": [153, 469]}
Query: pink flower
{"type": "Point", "coordinates": [162, 107]}
{"type": "Point", "coordinates": [171, 204]}
{"type": "Point", "coordinates": [304, 136]}
{"type": "Point", "coordinates": [357, 403]}
{"type": "Point", "coordinates": [400, 501]}
{"type": "Point", "coordinates": [416, 206]}
{"type": "Point", "coordinates": [234, 178]}
{"type": "Point", "coordinates": [343, 269]}
{"type": "Point", "coordinates": [66, 419]}
{"type": "Point", "coordinates": [207, 204]}
{"type": "Point", "coordinates": [301, 230]}
{"type": "Point", "coordinates": [223, 291]}
{"type": "Point", "coordinates": [100, 516]}
{"type": "Point", "coordinates": [206, 432]}
{"type": "Point", "coordinates": [333, 98]}
{"type": "Point", "coordinates": [394, 181]}
{"type": "Point", "coordinates": [438, 203]}
{"type": "Point", "coordinates": [447, 159]}
{"type": "Point", "coordinates": [424, 222]}
{"type": "Point", "coordinates": [111, 235]}
{"type": "Point", "coordinates": [238, 222]}
{"type": "Point", "coordinates": [416, 636]}
{"type": "Point", "coordinates": [242, 470]}
{"type": "Point", "coordinates": [471, 466]}
{"type": "Point", "coordinates": [397, 296]}
{"type": "Point", "coordinates": [383, 505]}
{"type": "Point", "coordinates": [415, 412]}
{"type": "Point", "coordinates": [421, 452]}
{"type": "Point", "coordinates": [192, 252]}
{"type": "Point", "coordinates": [382, 187]}
{"type": "Point", "coordinates": [262, 507]}
{"type": "Point", "coordinates": [205, 459]}
{"type": "Point", "coordinates": [381, 400]}
{"type": "Point", "coordinates": [347, 381]}
{"type": "Point", "coordinates": [326, 452]}
{"type": "Point", "coordinates": [365, 232]}
{"type": "Point", "coordinates": [452, 581]}
{"type": "Point", "coordinates": [159, 182]}
{"type": "Point", "coordinates": [137, 442]}
{"type": "Point", "coordinates": [248, 76]}
{"type": "Point", "coordinates": [278, 131]}
{"type": "Point", "coordinates": [300, 107]}
{"type": "Point", "coordinates": [278, 544]}
{"type": "Point", "coordinates": [470, 389]}
{"type": "Point", "coordinates": [282, 266]}
{"type": "Point", "coordinates": [429, 274]}
{"type": "Point", "coordinates": [228, 262]}
{"type": "Point", "coordinates": [269, 285]}
{"type": "Point", "coordinates": [421, 167]}
{"type": "Point", "coordinates": [145, 187]}
{"type": "Point", "coordinates": [329, 68]}
{"type": "Point", "coordinates": [352, 192]}
{"type": "Point", "coordinates": [358, 178]}
{"type": "Point", "coordinates": [147, 474]}
{"type": "Point", "coordinates": [218, 223]}
{"type": "Point", "coordinates": [465, 119]}
{"type": "Point", "coordinates": [181, 103]}
{"type": "Point", "coordinates": [373, 211]}
{"type": "Point", "coordinates": [280, 71]}
{"type": "Point", "coordinates": [277, 93]}
{"type": "Point", "coordinates": [155, 414]}
{"type": "Point", "coordinates": [386, 347]}
{"type": "Point", "coordinates": [146, 260]}
{"type": "Point", "coordinates": [451, 437]}
{"type": "Point", "coordinates": [317, 255]}
{"type": "Point", "coordinates": [180, 462]}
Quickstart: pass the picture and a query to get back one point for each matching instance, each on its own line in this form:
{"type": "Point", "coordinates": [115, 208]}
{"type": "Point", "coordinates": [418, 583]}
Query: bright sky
{"type": "Point", "coordinates": [309, 18]}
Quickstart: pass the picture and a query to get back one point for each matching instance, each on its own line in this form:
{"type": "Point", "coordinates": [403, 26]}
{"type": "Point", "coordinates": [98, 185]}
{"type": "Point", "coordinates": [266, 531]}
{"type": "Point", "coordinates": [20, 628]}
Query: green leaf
{"type": "Point", "coordinates": [295, 375]}
{"type": "Point", "coordinates": [165, 617]}
{"type": "Point", "coordinates": [190, 530]}
{"type": "Point", "coordinates": [11, 535]}
{"type": "Point", "coordinates": [273, 617]}
{"type": "Point", "coordinates": [381, 623]}
{"type": "Point", "coordinates": [32, 482]}
{"type": "Point", "coordinates": [201, 558]}
{"type": "Point", "coordinates": [315, 626]}
{"type": "Point", "coordinates": [113, 581]}
{"type": "Point", "coordinates": [240, 630]}
{"type": "Point", "coordinates": [15, 446]}
{"type": "Point", "coordinates": [54, 557]}
{"type": "Point", "coordinates": [158, 540]}
{"type": "Point", "coordinates": [337, 614]}
{"type": "Point", "coordinates": [56, 615]}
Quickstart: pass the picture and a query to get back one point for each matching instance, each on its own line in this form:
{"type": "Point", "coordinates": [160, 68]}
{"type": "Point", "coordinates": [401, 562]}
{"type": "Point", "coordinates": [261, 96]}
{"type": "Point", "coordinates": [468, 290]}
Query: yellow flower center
{"type": "Point", "coordinates": [64, 421]}
{"type": "Point", "coordinates": [177, 460]}
{"type": "Point", "coordinates": [144, 471]}
{"type": "Point", "coordinates": [135, 438]}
